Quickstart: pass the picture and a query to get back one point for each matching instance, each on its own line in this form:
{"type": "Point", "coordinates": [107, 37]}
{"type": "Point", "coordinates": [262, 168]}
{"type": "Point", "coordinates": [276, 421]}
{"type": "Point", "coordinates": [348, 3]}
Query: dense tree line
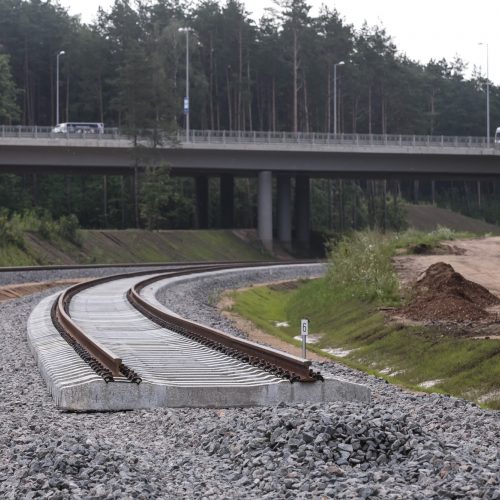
{"type": "Point", "coordinates": [127, 69]}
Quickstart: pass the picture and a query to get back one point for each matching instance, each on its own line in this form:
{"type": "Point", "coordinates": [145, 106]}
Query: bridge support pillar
{"type": "Point", "coordinates": [227, 201]}
{"type": "Point", "coordinates": [201, 192]}
{"type": "Point", "coordinates": [265, 209]}
{"type": "Point", "coordinates": [284, 212]}
{"type": "Point", "coordinates": [302, 211]}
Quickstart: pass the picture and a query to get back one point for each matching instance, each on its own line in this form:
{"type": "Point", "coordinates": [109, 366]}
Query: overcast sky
{"type": "Point", "coordinates": [423, 29]}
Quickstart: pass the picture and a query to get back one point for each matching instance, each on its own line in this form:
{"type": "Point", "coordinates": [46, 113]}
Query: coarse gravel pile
{"type": "Point", "coordinates": [402, 445]}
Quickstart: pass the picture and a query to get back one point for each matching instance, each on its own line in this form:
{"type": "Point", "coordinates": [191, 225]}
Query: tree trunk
{"type": "Point", "coordinates": [67, 192]}
{"type": "Point", "coordinates": [416, 186]}
{"type": "Point", "coordinates": [384, 205]}
{"type": "Point", "coordinates": [105, 199]}
{"type": "Point", "coordinates": [330, 203]}
{"type": "Point", "coordinates": [136, 198]}
{"type": "Point", "coordinates": [101, 103]}
{"type": "Point", "coordinates": [229, 106]}
{"type": "Point", "coordinates": [329, 101]}
{"type": "Point", "coordinates": [249, 96]}
{"type": "Point", "coordinates": [28, 118]}
{"type": "Point", "coordinates": [432, 113]}
{"type": "Point", "coordinates": [274, 104]}
{"type": "Point", "coordinates": [306, 107]}
{"type": "Point", "coordinates": [466, 196]}
{"type": "Point", "coordinates": [370, 110]}
{"type": "Point", "coordinates": [67, 99]}
{"type": "Point", "coordinates": [341, 205]}
{"type": "Point", "coordinates": [371, 204]}
{"type": "Point", "coordinates": [122, 201]}
{"type": "Point", "coordinates": [383, 114]}
{"type": "Point", "coordinates": [355, 115]}
{"type": "Point", "coordinates": [295, 83]}
{"type": "Point", "coordinates": [211, 84]}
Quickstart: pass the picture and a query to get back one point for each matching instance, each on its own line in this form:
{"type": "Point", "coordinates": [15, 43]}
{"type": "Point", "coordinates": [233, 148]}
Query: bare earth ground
{"type": "Point", "coordinates": [15, 291]}
{"type": "Point", "coordinates": [480, 263]}
{"type": "Point", "coordinates": [476, 260]}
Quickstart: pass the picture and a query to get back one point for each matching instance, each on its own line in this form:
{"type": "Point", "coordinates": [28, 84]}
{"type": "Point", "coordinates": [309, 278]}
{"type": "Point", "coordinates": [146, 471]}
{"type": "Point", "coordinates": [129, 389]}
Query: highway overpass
{"type": "Point", "coordinates": [263, 154]}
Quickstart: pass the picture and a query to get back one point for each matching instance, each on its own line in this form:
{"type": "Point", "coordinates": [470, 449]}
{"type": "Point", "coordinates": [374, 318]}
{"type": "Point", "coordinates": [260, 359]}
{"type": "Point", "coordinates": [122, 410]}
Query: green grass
{"type": "Point", "coordinates": [413, 237]}
{"type": "Point", "coordinates": [119, 246]}
{"type": "Point", "coordinates": [344, 309]}
{"type": "Point", "coordinates": [13, 255]}
{"type": "Point", "coordinates": [468, 368]}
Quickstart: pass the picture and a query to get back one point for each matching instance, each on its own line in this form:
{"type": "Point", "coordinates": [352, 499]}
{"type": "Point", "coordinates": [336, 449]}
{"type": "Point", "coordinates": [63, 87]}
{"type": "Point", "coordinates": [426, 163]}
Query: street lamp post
{"type": "Point", "coordinates": [341, 63]}
{"type": "Point", "coordinates": [487, 94]}
{"type": "Point", "coordinates": [60, 53]}
{"type": "Point", "coordinates": [186, 98]}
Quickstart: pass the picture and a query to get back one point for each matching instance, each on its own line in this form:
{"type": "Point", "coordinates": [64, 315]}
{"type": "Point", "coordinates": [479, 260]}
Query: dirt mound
{"type": "Point", "coordinates": [441, 294]}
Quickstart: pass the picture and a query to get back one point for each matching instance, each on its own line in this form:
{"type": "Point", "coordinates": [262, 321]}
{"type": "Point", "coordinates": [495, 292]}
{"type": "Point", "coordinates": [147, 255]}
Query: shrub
{"type": "Point", "coordinates": [10, 232]}
{"type": "Point", "coordinates": [41, 223]}
{"type": "Point", "coordinates": [360, 267]}
{"type": "Point", "coordinates": [67, 227]}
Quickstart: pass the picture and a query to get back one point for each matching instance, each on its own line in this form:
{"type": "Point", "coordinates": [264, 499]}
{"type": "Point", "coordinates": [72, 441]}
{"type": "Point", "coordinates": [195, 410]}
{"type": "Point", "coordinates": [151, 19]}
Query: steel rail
{"type": "Point", "coordinates": [266, 358]}
{"type": "Point", "coordinates": [54, 267]}
{"type": "Point", "coordinates": [101, 359]}
{"type": "Point", "coordinates": [109, 366]}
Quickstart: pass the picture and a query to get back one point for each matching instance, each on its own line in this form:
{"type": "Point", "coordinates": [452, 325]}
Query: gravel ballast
{"type": "Point", "coordinates": [402, 445]}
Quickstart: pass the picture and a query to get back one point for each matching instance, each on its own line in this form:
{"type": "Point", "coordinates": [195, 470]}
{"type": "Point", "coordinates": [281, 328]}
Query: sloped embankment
{"type": "Point", "coordinates": [429, 218]}
{"type": "Point", "coordinates": [135, 245]}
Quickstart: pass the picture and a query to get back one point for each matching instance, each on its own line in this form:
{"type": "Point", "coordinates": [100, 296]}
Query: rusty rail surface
{"type": "Point", "coordinates": [101, 359]}
{"type": "Point", "coordinates": [109, 366]}
{"type": "Point", "coordinates": [276, 362]}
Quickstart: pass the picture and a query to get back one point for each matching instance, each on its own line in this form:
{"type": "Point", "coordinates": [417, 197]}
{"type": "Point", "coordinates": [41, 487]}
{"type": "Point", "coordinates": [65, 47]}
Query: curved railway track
{"type": "Point", "coordinates": [127, 339]}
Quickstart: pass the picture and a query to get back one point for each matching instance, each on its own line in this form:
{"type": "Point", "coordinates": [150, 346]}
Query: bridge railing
{"type": "Point", "coordinates": [315, 138]}
{"type": "Point", "coordinates": [35, 132]}
{"type": "Point", "coordinates": [271, 138]}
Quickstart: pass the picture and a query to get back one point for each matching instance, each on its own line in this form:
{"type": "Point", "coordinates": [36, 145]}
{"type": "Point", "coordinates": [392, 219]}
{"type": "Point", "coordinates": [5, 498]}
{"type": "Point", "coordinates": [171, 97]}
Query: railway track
{"type": "Point", "coordinates": [128, 351]}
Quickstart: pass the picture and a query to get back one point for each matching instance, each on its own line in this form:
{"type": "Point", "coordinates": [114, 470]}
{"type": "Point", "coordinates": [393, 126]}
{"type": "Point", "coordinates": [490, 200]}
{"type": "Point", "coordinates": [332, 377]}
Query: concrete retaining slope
{"type": "Point", "coordinates": [75, 386]}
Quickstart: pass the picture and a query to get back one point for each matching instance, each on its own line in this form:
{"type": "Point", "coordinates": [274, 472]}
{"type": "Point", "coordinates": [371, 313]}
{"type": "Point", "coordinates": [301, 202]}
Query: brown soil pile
{"type": "Point", "coordinates": [441, 294]}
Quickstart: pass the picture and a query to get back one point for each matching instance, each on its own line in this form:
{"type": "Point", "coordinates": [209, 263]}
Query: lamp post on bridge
{"type": "Point", "coordinates": [341, 63]}
{"type": "Point", "coordinates": [186, 98]}
{"type": "Point", "coordinates": [59, 54]}
{"type": "Point", "coordinates": [487, 94]}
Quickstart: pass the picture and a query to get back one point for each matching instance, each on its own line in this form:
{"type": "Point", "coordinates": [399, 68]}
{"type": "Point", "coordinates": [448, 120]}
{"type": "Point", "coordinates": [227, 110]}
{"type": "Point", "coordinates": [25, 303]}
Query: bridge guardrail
{"type": "Point", "coordinates": [41, 132]}
{"type": "Point", "coordinates": [316, 138]}
{"type": "Point", "coordinates": [265, 137]}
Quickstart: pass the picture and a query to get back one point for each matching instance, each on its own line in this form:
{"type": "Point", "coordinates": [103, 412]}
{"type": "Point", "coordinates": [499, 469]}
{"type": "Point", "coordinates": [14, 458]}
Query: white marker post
{"type": "Point", "coordinates": [304, 331]}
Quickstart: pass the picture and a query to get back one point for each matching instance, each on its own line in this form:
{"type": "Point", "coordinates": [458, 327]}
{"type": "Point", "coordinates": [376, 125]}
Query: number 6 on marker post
{"type": "Point", "coordinates": [304, 327]}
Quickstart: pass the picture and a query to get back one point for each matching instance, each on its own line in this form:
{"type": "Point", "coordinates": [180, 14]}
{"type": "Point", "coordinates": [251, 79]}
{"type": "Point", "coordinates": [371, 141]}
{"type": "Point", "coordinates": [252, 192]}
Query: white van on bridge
{"type": "Point", "coordinates": [79, 128]}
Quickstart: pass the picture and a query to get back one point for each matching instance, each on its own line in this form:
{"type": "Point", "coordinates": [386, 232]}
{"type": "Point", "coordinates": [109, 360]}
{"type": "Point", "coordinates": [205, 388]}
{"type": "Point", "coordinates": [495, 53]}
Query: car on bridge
{"type": "Point", "coordinates": [79, 128]}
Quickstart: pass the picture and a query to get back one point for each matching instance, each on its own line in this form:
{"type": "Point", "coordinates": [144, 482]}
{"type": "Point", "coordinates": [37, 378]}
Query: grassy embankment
{"type": "Point", "coordinates": [30, 239]}
{"type": "Point", "coordinates": [344, 308]}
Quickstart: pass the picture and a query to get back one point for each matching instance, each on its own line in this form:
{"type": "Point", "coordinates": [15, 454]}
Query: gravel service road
{"type": "Point", "coordinates": [402, 445]}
